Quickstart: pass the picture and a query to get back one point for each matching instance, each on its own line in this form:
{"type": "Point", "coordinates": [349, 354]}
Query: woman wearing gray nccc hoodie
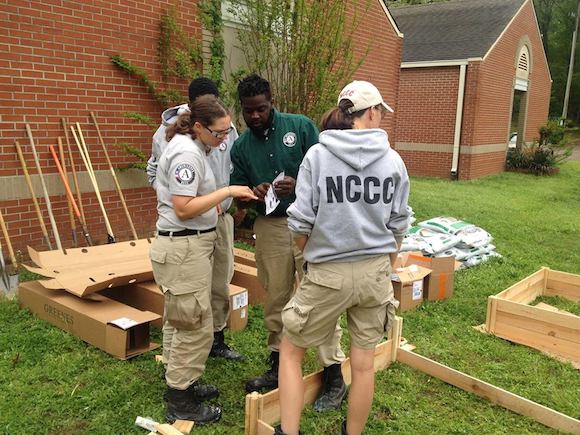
{"type": "Point", "coordinates": [349, 218]}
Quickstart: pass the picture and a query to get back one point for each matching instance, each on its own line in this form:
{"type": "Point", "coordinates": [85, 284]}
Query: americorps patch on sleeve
{"type": "Point", "coordinates": [184, 173]}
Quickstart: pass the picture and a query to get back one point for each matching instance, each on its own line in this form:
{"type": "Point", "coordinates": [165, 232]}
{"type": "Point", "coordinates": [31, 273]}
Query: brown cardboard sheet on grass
{"type": "Point", "coordinates": [556, 333]}
{"type": "Point", "coordinates": [83, 271]}
{"type": "Point", "coordinates": [118, 329]}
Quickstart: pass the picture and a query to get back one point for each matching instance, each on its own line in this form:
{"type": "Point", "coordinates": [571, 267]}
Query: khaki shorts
{"type": "Point", "coordinates": [362, 288]}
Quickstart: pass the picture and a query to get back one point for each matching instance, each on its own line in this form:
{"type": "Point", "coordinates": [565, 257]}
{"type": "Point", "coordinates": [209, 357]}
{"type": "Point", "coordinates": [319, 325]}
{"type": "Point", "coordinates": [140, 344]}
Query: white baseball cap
{"type": "Point", "coordinates": [363, 95]}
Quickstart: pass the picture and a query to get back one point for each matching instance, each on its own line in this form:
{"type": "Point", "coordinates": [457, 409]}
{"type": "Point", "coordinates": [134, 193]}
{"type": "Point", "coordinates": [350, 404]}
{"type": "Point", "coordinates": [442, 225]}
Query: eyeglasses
{"type": "Point", "coordinates": [381, 110]}
{"type": "Point", "coordinates": [219, 134]}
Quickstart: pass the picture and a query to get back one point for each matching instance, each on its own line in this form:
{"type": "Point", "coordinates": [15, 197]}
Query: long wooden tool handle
{"type": "Point", "coordinates": [71, 217]}
{"type": "Point", "coordinates": [8, 242]}
{"type": "Point", "coordinates": [74, 171]}
{"type": "Point", "coordinates": [70, 195]}
{"type": "Point", "coordinates": [110, 235]}
{"type": "Point", "coordinates": [34, 200]}
{"type": "Point", "coordinates": [44, 189]}
{"type": "Point", "coordinates": [113, 173]}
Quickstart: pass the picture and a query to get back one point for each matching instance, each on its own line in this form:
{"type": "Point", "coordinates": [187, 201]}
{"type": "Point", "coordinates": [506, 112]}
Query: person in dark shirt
{"type": "Point", "coordinates": [276, 142]}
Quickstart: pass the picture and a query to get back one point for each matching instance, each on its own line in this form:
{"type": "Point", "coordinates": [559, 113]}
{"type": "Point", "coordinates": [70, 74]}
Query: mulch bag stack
{"type": "Point", "coordinates": [447, 236]}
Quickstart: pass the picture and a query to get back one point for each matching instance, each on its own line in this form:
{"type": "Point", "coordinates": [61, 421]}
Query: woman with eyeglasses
{"type": "Point", "coordinates": [349, 218]}
{"type": "Point", "coordinates": [182, 251]}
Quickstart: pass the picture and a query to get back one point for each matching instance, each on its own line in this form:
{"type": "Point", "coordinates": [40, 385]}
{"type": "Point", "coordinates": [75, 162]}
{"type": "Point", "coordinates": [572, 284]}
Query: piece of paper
{"type": "Point", "coordinates": [271, 199]}
{"type": "Point", "coordinates": [417, 290]}
{"type": "Point", "coordinates": [240, 300]}
{"type": "Point", "coordinates": [124, 322]}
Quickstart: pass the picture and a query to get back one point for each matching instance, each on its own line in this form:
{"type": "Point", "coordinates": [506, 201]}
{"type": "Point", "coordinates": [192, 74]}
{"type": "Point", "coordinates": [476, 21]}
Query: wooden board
{"type": "Point", "coordinates": [183, 426]}
{"type": "Point", "coordinates": [566, 285]}
{"type": "Point", "coordinates": [527, 289]}
{"type": "Point", "coordinates": [513, 402]}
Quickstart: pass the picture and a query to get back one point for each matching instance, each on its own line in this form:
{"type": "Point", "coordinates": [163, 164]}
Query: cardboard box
{"type": "Point", "coordinates": [145, 296]}
{"type": "Point", "coordinates": [440, 282]}
{"type": "Point", "coordinates": [148, 296]}
{"type": "Point", "coordinates": [118, 329]}
{"type": "Point", "coordinates": [247, 277]}
{"type": "Point", "coordinates": [242, 256]}
{"type": "Point", "coordinates": [238, 318]}
{"type": "Point", "coordinates": [409, 284]}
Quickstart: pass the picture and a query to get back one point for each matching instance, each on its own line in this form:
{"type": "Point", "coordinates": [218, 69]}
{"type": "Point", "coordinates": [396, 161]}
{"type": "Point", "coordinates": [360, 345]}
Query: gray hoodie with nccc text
{"type": "Point", "coordinates": [351, 197]}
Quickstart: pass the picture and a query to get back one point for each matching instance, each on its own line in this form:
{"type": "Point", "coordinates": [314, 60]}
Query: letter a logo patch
{"type": "Point", "coordinates": [185, 174]}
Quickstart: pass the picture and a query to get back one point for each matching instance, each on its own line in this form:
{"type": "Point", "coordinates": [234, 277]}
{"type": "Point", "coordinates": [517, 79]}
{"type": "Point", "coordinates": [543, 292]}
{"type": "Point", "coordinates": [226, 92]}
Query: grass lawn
{"type": "Point", "coordinates": [53, 383]}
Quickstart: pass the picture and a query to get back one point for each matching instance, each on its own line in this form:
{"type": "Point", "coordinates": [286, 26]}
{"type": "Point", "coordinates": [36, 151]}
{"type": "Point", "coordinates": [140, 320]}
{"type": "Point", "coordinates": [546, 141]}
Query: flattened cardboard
{"type": "Point", "coordinates": [92, 319]}
{"type": "Point", "coordinates": [145, 296]}
{"type": "Point", "coordinates": [238, 318]}
{"type": "Point", "coordinates": [242, 256]}
{"type": "Point", "coordinates": [247, 277]}
{"type": "Point", "coordinates": [409, 286]}
{"type": "Point", "coordinates": [83, 271]}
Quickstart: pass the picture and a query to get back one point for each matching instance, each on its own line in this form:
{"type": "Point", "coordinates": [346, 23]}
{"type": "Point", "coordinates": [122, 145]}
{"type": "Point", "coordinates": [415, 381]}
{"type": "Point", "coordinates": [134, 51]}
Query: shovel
{"type": "Point", "coordinates": [8, 282]}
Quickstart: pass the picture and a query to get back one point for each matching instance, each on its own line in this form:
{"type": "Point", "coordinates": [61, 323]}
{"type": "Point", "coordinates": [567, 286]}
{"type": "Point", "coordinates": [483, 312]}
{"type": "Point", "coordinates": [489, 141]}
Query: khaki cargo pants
{"type": "Point", "coordinates": [361, 288]}
{"type": "Point", "coordinates": [182, 267]}
{"type": "Point", "coordinates": [278, 260]}
{"type": "Point", "coordinates": [222, 273]}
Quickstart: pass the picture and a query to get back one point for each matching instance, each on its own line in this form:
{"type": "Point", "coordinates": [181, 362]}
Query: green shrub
{"type": "Point", "coordinates": [544, 156]}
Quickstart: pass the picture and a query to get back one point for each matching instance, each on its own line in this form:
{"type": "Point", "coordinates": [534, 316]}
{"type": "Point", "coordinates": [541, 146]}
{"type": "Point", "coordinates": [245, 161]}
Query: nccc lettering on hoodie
{"type": "Point", "coordinates": [370, 189]}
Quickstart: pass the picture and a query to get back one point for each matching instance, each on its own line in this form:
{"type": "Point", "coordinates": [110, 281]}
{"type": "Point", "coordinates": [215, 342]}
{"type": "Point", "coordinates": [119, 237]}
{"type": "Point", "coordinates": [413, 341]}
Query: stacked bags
{"type": "Point", "coordinates": [447, 236]}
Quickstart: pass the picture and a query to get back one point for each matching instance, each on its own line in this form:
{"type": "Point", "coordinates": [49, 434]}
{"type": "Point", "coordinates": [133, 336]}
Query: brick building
{"type": "Point", "coordinates": [474, 73]}
{"type": "Point", "coordinates": [56, 63]}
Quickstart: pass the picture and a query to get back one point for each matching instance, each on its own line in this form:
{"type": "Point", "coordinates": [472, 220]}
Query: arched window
{"type": "Point", "coordinates": [523, 66]}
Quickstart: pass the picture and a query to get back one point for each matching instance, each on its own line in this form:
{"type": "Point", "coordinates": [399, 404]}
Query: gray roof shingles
{"type": "Point", "coordinates": [459, 29]}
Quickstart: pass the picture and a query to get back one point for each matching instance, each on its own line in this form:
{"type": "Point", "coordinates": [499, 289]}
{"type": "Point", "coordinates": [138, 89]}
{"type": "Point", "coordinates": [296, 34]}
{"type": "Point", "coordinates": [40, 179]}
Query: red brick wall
{"type": "Point", "coordinates": [427, 101]}
{"type": "Point", "coordinates": [495, 93]}
{"type": "Point", "coordinates": [55, 62]}
{"type": "Point", "coordinates": [383, 59]}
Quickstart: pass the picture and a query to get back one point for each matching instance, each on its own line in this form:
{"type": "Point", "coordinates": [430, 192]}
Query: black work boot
{"type": "Point", "coordinates": [200, 392]}
{"type": "Point", "coordinates": [203, 392]}
{"type": "Point", "coordinates": [333, 389]}
{"type": "Point", "coordinates": [269, 380]}
{"type": "Point", "coordinates": [219, 349]}
{"type": "Point", "coordinates": [181, 405]}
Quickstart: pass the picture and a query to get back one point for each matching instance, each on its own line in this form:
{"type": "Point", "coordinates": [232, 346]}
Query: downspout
{"type": "Point", "coordinates": [458, 120]}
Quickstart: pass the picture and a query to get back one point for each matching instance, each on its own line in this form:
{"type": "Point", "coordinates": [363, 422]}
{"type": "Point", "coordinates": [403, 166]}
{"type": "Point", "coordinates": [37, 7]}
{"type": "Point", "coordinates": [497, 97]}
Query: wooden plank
{"type": "Point", "coordinates": [264, 428]}
{"type": "Point", "coordinates": [183, 426]}
{"type": "Point", "coordinates": [564, 277]}
{"type": "Point", "coordinates": [167, 429]}
{"type": "Point", "coordinates": [511, 401]}
{"type": "Point", "coordinates": [564, 290]}
{"type": "Point", "coordinates": [523, 285]}
{"type": "Point", "coordinates": [395, 336]}
{"type": "Point", "coordinates": [493, 310]}
{"type": "Point", "coordinates": [563, 348]}
{"type": "Point", "coordinates": [251, 417]}
{"type": "Point", "coordinates": [534, 314]}
{"type": "Point", "coordinates": [547, 329]}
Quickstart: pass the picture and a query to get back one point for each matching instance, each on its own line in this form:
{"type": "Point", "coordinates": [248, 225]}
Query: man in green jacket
{"type": "Point", "coordinates": [276, 143]}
